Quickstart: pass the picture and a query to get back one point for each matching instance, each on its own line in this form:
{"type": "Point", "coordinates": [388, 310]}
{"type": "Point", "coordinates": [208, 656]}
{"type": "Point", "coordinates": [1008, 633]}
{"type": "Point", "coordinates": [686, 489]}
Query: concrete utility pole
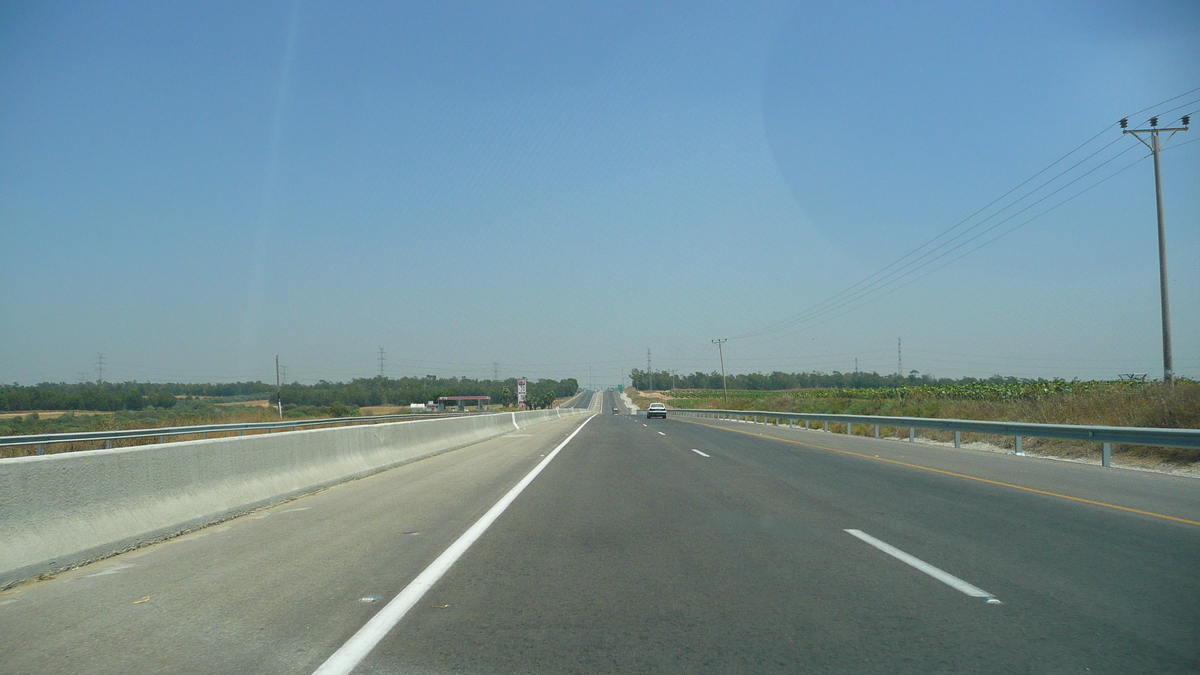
{"type": "Point", "coordinates": [721, 351]}
{"type": "Point", "coordinates": [1155, 146]}
{"type": "Point", "coordinates": [649, 373]}
{"type": "Point", "coordinates": [278, 388]}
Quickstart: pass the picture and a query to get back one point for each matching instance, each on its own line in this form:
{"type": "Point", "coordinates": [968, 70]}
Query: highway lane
{"type": "Point", "coordinates": [662, 546]}
{"type": "Point", "coordinates": [633, 553]}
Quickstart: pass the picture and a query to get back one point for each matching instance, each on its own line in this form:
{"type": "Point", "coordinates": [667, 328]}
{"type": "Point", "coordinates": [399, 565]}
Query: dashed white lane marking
{"type": "Point", "coordinates": [942, 576]}
{"type": "Point", "coordinates": [700, 453]}
{"type": "Point", "coordinates": [661, 434]}
{"type": "Point", "coordinates": [361, 643]}
{"type": "Point", "coordinates": [298, 508]}
{"type": "Point", "coordinates": [519, 436]}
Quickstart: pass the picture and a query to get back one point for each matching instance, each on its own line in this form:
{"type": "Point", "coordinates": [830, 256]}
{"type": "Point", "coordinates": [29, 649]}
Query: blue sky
{"type": "Point", "coordinates": [191, 188]}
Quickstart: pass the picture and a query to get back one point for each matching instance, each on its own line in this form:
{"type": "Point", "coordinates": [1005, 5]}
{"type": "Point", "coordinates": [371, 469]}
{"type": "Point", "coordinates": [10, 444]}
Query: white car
{"type": "Point", "coordinates": [656, 410]}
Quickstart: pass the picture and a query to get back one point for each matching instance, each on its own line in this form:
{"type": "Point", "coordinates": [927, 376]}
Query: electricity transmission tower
{"type": "Point", "coordinates": [1155, 146]}
{"type": "Point", "coordinates": [381, 360]}
{"type": "Point", "coordinates": [99, 369]}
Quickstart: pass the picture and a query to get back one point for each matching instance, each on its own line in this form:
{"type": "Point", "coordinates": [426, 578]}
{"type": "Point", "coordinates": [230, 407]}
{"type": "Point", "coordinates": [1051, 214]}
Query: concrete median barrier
{"type": "Point", "coordinates": [59, 511]}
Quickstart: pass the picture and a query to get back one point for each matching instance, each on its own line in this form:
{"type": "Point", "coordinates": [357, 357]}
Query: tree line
{"type": "Point", "coordinates": [117, 396]}
{"type": "Point", "coordinates": [403, 391]}
{"type": "Point", "coordinates": [662, 380]}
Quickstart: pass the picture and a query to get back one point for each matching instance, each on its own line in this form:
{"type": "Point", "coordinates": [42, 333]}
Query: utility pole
{"type": "Point", "coordinates": [278, 388]}
{"type": "Point", "coordinates": [649, 372]}
{"type": "Point", "coordinates": [899, 360]}
{"type": "Point", "coordinates": [99, 369]}
{"type": "Point", "coordinates": [721, 351]}
{"type": "Point", "coordinates": [1155, 146]}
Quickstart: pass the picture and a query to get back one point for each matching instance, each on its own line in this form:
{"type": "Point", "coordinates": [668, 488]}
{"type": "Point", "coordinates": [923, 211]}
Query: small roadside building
{"type": "Point", "coordinates": [461, 401]}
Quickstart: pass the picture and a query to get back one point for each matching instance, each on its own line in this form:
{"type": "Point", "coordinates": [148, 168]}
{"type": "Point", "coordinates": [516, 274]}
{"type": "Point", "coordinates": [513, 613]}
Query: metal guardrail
{"type": "Point", "coordinates": [42, 440]}
{"type": "Point", "coordinates": [1106, 436]}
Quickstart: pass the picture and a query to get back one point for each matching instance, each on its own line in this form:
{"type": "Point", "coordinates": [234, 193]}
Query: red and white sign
{"type": "Point", "coordinates": [521, 392]}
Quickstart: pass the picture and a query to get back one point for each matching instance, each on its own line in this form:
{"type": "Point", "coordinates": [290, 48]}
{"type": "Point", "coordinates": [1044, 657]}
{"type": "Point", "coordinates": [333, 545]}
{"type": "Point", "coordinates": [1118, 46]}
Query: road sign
{"type": "Point", "coordinates": [521, 392]}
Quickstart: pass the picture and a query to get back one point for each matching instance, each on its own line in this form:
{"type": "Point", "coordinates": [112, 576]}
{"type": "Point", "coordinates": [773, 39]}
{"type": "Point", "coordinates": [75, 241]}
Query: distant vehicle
{"type": "Point", "coordinates": [656, 410]}
{"type": "Point", "coordinates": [615, 411]}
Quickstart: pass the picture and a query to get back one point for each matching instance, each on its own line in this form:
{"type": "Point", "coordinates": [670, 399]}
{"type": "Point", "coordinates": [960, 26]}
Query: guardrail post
{"type": "Point", "coordinates": [1106, 454]}
{"type": "Point", "coordinates": [849, 428]}
{"type": "Point", "coordinates": [958, 439]}
{"type": "Point", "coordinates": [806, 427]}
{"type": "Point", "coordinates": [162, 439]}
{"type": "Point", "coordinates": [240, 431]}
{"type": "Point", "coordinates": [206, 434]}
{"type": "Point", "coordinates": [1020, 448]}
{"type": "Point", "coordinates": [912, 434]}
{"type": "Point", "coordinates": [825, 425]}
{"type": "Point", "coordinates": [876, 431]}
{"type": "Point", "coordinates": [108, 444]}
{"type": "Point", "coordinates": [41, 448]}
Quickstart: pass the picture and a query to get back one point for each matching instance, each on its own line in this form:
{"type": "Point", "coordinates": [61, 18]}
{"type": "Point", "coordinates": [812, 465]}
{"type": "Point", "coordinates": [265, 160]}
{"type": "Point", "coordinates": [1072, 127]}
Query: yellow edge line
{"type": "Point", "coordinates": [957, 475]}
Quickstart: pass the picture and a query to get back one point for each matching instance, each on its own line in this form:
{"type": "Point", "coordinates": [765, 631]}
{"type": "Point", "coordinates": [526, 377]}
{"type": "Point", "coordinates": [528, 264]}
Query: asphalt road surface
{"type": "Point", "coordinates": [659, 546]}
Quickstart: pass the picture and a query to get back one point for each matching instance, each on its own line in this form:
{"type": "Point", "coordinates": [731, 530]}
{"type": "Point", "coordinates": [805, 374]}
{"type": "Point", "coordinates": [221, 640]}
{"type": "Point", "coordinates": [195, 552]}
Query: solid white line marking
{"type": "Point", "coordinates": [357, 647]}
{"type": "Point", "coordinates": [514, 419]}
{"type": "Point", "coordinates": [700, 453]}
{"type": "Point", "coordinates": [944, 577]}
{"type": "Point", "coordinates": [661, 434]}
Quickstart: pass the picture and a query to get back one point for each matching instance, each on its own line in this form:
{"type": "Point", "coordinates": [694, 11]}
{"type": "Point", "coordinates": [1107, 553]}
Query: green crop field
{"type": "Point", "coordinates": [1119, 403]}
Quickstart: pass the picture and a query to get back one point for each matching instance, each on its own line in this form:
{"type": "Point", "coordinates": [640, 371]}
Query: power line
{"type": "Point", "coordinates": [858, 291]}
{"type": "Point", "coordinates": [900, 274]}
{"type": "Point", "coordinates": [969, 252]}
{"type": "Point", "coordinates": [787, 323]}
{"type": "Point", "coordinates": [1164, 102]}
